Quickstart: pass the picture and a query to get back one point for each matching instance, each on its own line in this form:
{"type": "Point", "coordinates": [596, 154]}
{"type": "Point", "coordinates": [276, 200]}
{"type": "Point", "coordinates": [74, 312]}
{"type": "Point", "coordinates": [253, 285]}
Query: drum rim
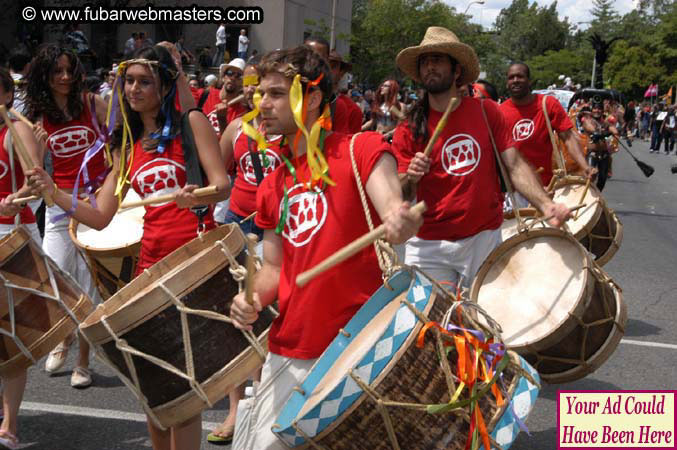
{"type": "Point", "coordinates": [596, 360]}
{"type": "Point", "coordinates": [564, 326]}
{"type": "Point", "coordinates": [616, 241]}
{"type": "Point", "coordinates": [600, 203]}
{"type": "Point", "coordinates": [138, 301]}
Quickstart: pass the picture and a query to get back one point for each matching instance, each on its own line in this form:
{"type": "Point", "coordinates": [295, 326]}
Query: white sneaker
{"type": "Point", "coordinates": [81, 378]}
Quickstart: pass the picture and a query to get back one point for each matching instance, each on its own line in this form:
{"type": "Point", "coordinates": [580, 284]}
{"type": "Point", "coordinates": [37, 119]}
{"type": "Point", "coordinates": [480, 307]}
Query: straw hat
{"type": "Point", "coordinates": [440, 40]}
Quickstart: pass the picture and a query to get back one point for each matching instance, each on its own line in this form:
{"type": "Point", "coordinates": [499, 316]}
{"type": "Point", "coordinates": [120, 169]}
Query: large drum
{"type": "Point", "coordinates": [595, 226]}
{"type": "Point", "coordinates": [41, 305]}
{"type": "Point", "coordinates": [167, 335]}
{"type": "Point", "coordinates": [370, 389]}
{"type": "Point", "coordinates": [112, 253]}
{"type": "Point", "coordinates": [530, 218]}
{"type": "Point", "coordinates": [556, 307]}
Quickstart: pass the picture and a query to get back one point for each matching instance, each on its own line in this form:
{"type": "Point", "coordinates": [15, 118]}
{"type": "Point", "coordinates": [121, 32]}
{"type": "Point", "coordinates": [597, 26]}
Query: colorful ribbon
{"type": "Point", "coordinates": [478, 359]}
{"type": "Point", "coordinates": [319, 169]}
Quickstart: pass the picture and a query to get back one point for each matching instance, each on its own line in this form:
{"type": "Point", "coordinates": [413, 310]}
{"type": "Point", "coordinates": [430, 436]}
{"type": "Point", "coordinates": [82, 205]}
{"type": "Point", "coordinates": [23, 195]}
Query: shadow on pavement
{"type": "Point", "coordinates": [635, 328]}
{"type": "Point", "coordinates": [549, 391]}
{"type": "Point", "coordinates": [541, 440]}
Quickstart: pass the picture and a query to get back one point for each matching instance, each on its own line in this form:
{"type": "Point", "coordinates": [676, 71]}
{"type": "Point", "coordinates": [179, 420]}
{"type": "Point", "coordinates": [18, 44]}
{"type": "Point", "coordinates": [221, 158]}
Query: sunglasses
{"type": "Point", "coordinates": [232, 74]}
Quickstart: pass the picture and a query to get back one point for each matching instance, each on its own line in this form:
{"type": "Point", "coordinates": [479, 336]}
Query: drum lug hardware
{"type": "Point", "coordinates": [345, 333]}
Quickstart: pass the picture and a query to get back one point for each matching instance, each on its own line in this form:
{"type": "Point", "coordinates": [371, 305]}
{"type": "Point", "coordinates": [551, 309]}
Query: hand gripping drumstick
{"type": "Point", "coordinates": [21, 149]}
{"type": "Point", "coordinates": [200, 192]}
{"type": "Point", "coordinates": [350, 250]}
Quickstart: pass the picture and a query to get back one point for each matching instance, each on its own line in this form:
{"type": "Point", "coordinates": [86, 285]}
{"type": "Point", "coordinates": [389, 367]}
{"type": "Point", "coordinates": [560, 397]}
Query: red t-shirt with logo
{"type": "Point", "coordinates": [166, 227]}
{"type": "Point", "coordinates": [347, 116]}
{"type": "Point", "coordinates": [26, 214]}
{"type": "Point", "coordinates": [67, 143]}
{"type": "Point", "coordinates": [530, 132]}
{"type": "Point", "coordinates": [461, 190]}
{"type": "Point", "coordinates": [243, 195]}
{"type": "Point", "coordinates": [209, 108]}
{"type": "Point", "coordinates": [319, 224]}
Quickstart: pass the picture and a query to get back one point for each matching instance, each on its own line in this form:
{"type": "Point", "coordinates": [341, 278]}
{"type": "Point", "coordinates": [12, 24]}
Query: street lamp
{"type": "Point", "coordinates": [478, 2]}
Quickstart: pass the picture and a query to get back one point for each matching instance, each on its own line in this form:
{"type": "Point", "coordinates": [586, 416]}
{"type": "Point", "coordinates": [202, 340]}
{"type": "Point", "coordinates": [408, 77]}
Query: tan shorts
{"type": "Point", "coordinates": [256, 415]}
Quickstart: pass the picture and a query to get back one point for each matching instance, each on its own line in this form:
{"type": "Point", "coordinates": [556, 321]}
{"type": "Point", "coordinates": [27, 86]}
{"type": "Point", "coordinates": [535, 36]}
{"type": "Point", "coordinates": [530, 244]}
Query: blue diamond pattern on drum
{"type": "Point", "coordinates": [523, 400]}
{"type": "Point", "coordinates": [373, 363]}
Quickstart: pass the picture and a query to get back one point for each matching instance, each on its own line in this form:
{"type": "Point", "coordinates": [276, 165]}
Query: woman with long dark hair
{"type": "Point", "coordinates": [67, 123]}
{"type": "Point", "coordinates": [12, 186]}
{"type": "Point", "coordinates": [150, 87]}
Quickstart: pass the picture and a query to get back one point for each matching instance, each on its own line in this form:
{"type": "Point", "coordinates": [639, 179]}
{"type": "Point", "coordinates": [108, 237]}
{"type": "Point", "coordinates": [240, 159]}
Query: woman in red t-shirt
{"type": "Point", "coordinates": [157, 167]}
{"type": "Point", "coordinates": [65, 117]}
{"type": "Point", "coordinates": [12, 186]}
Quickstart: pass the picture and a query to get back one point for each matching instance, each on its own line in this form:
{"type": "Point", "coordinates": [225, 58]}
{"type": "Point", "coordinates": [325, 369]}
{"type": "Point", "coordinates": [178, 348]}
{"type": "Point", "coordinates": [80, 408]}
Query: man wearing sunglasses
{"type": "Point", "coordinates": [215, 103]}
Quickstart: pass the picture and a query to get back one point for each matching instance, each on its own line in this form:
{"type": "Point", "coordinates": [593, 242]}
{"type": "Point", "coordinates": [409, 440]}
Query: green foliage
{"type": "Point", "coordinates": [631, 69]}
{"type": "Point", "coordinates": [528, 30]}
{"type": "Point", "coordinates": [381, 28]}
{"type": "Point", "coordinates": [546, 69]}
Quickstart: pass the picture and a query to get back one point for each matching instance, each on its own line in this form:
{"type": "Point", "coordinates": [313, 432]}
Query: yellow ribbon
{"type": "Point", "coordinates": [123, 177]}
{"type": "Point", "coordinates": [319, 169]}
{"type": "Point", "coordinates": [248, 129]}
{"type": "Point", "coordinates": [250, 80]}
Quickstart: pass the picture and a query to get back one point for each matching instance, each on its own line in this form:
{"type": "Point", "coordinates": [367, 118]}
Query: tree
{"type": "Point", "coordinates": [381, 28]}
{"type": "Point", "coordinates": [546, 69]}
{"type": "Point", "coordinates": [527, 30]}
{"type": "Point", "coordinates": [605, 17]}
{"type": "Point", "coordinates": [631, 69]}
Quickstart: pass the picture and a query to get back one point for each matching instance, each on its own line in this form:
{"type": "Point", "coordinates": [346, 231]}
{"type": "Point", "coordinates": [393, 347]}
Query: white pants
{"type": "Point", "coordinates": [5, 229]}
{"type": "Point", "coordinates": [452, 261]}
{"type": "Point", "coordinates": [256, 415]}
{"type": "Point", "coordinates": [57, 244]}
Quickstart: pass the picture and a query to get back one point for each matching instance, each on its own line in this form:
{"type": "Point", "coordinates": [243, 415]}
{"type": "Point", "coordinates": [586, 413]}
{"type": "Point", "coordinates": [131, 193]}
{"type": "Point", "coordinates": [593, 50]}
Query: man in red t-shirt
{"type": "Point", "coordinates": [523, 112]}
{"type": "Point", "coordinates": [347, 116]}
{"type": "Point", "coordinates": [343, 113]}
{"type": "Point", "coordinates": [302, 226]}
{"type": "Point", "coordinates": [459, 180]}
{"type": "Point", "coordinates": [216, 104]}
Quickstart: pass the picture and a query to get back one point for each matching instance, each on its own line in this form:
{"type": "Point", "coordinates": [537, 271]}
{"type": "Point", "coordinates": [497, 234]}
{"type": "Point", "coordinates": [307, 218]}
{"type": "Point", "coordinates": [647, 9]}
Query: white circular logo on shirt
{"type": "Point", "coordinates": [269, 162]}
{"type": "Point", "coordinates": [71, 141]}
{"type": "Point", "coordinates": [3, 169]}
{"type": "Point", "coordinates": [214, 120]}
{"type": "Point", "coordinates": [460, 155]}
{"type": "Point", "coordinates": [523, 130]}
{"type": "Point", "coordinates": [158, 177]}
{"type": "Point", "coordinates": [306, 215]}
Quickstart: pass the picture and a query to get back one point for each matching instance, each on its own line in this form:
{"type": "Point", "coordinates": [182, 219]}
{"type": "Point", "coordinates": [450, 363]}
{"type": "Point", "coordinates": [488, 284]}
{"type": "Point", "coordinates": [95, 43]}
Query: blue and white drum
{"type": "Point", "coordinates": [375, 388]}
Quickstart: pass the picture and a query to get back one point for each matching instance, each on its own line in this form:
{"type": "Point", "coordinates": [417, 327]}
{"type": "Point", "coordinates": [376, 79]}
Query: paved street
{"type": "Point", "coordinates": [105, 416]}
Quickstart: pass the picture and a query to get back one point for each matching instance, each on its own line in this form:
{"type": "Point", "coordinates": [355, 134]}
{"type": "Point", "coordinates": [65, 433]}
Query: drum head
{"type": "Point", "coordinates": [509, 225]}
{"type": "Point", "coordinates": [530, 284]}
{"type": "Point", "coordinates": [125, 229]}
{"type": "Point", "coordinates": [570, 193]}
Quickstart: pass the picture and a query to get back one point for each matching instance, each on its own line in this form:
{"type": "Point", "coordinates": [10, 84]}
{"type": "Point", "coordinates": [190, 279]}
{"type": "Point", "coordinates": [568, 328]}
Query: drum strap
{"type": "Point", "coordinates": [256, 160]}
{"type": "Point", "coordinates": [555, 148]}
{"type": "Point", "coordinates": [194, 173]}
{"type": "Point", "coordinates": [502, 172]}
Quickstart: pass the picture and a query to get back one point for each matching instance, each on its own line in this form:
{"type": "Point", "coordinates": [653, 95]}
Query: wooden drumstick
{"type": "Point", "coordinates": [545, 219]}
{"type": "Point", "coordinates": [539, 170]}
{"type": "Point", "coordinates": [451, 107]}
{"type": "Point", "coordinates": [585, 192]}
{"type": "Point", "coordinates": [21, 149]}
{"type": "Point", "coordinates": [200, 192]}
{"type": "Point", "coordinates": [21, 117]}
{"type": "Point", "coordinates": [349, 250]}
{"type": "Point", "coordinates": [30, 198]}
{"type": "Point", "coordinates": [237, 99]}
{"type": "Point", "coordinates": [408, 187]}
